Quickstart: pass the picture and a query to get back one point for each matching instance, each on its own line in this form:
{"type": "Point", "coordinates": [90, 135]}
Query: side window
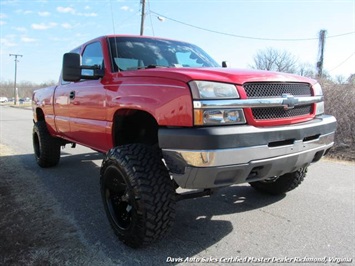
{"type": "Point", "coordinates": [93, 55]}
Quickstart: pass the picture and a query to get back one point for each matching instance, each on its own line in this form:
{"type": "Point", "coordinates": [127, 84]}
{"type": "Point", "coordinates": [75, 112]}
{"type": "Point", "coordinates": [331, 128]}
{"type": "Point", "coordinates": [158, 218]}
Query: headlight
{"type": "Point", "coordinates": [218, 117]}
{"type": "Point", "coordinates": [213, 90]}
{"type": "Point", "coordinates": [205, 91]}
{"type": "Point", "coordinates": [317, 90]}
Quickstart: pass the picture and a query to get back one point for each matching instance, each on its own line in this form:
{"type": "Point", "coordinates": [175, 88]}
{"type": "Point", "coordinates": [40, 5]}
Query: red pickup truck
{"type": "Point", "coordinates": [167, 116]}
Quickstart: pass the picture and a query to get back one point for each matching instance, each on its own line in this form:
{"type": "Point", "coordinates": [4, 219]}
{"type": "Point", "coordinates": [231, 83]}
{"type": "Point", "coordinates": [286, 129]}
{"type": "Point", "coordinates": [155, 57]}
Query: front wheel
{"type": "Point", "coordinates": [46, 147]}
{"type": "Point", "coordinates": [282, 184]}
{"type": "Point", "coordinates": [138, 194]}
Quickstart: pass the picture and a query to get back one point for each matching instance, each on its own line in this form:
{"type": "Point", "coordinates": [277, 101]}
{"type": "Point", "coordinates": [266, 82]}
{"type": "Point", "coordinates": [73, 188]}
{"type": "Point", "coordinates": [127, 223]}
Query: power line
{"type": "Point", "coordinates": [247, 37]}
{"type": "Point", "coordinates": [343, 62]}
{"type": "Point", "coordinates": [340, 35]}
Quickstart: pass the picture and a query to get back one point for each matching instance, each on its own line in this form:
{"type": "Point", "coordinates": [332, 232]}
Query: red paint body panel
{"type": "Point", "coordinates": [43, 99]}
{"type": "Point", "coordinates": [228, 75]}
{"type": "Point", "coordinates": [169, 101]}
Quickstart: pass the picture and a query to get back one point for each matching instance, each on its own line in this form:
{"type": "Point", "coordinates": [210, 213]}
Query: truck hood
{"type": "Point", "coordinates": [229, 75]}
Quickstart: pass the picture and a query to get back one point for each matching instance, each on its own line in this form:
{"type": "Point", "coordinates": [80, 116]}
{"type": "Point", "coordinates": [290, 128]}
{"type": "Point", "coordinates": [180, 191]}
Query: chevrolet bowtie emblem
{"type": "Point", "coordinates": [289, 102]}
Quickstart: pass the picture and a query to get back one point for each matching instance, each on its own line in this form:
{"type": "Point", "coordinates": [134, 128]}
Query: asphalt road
{"type": "Point", "coordinates": [237, 224]}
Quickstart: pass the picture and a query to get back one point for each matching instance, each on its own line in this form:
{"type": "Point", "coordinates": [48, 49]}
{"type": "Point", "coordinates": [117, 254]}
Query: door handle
{"type": "Point", "coordinates": [72, 95]}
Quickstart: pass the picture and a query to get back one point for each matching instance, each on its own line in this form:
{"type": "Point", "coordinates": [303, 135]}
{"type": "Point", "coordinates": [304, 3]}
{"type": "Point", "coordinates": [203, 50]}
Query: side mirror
{"type": "Point", "coordinates": [74, 71]}
{"type": "Point", "coordinates": [225, 64]}
{"type": "Point", "coordinates": [71, 67]}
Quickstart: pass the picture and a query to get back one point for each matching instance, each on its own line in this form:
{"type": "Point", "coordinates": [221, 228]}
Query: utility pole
{"type": "Point", "coordinates": [15, 89]}
{"type": "Point", "coordinates": [142, 17]}
{"type": "Point", "coordinates": [321, 52]}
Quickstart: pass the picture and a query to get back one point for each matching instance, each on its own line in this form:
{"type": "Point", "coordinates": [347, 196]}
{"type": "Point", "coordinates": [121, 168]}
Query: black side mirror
{"type": "Point", "coordinates": [71, 67]}
{"type": "Point", "coordinates": [74, 71]}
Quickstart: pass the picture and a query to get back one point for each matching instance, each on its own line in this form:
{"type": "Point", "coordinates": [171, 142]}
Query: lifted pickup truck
{"type": "Point", "coordinates": [168, 116]}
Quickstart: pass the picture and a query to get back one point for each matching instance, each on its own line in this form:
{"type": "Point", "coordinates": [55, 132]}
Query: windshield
{"type": "Point", "coordinates": [130, 53]}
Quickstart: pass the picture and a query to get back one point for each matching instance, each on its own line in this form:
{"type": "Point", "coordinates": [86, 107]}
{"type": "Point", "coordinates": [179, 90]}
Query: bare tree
{"type": "Point", "coordinates": [306, 70]}
{"type": "Point", "coordinates": [340, 79]}
{"type": "Point", "coordinates": [25, 88]}
{"type": "Point", "coordinates": [275, 60]}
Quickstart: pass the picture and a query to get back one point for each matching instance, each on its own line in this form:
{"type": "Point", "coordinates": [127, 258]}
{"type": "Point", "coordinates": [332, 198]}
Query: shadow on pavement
{"type": "Point", "coordinates": [200, 223]}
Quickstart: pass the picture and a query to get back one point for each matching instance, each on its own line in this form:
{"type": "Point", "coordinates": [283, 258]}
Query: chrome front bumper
{"type": "Point", "coordinates": [247, 153]}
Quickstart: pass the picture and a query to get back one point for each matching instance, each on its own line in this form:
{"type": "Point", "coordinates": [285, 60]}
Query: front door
{"type": "Point", "coordinates": [87, 104]}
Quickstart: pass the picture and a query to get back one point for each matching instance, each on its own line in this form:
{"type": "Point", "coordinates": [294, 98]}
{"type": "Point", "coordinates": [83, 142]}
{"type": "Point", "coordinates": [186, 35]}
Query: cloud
{"type": "Point", "coordinates": [80, 35]}
{"type": "Point", "coordinates": [27, 39]}
{"type": "Point", "coordinates": [66, 25]}
{"type": "Point", "coordinates": [21, 29]}
{"type": "Point", "coordinates": [24, 12]}
{"type": "Point", "coordinates": [56, 39]}
{"type": "Point", "coordinates": [2, 15]}
{"type": "Point", "coordinates": [126, 8]}
{"type": "Point", "coordinates": [93, 14]}
{"type": "Point", "coordinates": [2, 22]}
{"type": "Point", "coordinates": [44, 13]}
{"type": "Point", "coordinates": [7, 43]}
{"type": "Point", "coordinates": [70, 10]}
{"type": "Point", "coordinates": [43, 26]}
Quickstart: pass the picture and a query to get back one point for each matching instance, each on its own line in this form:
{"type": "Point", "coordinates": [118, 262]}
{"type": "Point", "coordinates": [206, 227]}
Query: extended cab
{"type": "Point", "coordinates": [167, 115]}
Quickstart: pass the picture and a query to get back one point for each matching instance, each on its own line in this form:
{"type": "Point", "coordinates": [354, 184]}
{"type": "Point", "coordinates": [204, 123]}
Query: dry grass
{"type": "Point", "coordinates": [340, 102]}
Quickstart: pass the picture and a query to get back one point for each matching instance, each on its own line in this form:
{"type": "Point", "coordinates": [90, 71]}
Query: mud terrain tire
{"type": "Point", "coordinates": [281, 185]}
{"type": "Point", "coordinates": [138, 194]}
{"type": "Point", "coordinates": [46, 147]}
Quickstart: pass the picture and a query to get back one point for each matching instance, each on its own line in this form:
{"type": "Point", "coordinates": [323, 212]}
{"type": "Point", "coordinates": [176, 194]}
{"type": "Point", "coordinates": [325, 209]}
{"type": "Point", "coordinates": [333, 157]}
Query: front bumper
{"type": "Point", "coordinates": [220, 156]}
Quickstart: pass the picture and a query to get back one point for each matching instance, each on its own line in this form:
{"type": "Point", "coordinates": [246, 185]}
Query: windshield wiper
{"type": "Point", "coordinates": [152, 66]}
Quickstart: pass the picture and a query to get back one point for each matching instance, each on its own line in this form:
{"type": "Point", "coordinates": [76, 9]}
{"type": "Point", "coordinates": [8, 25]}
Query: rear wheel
{"type": "Point", "coordinates": [282, 184]}
{"type": "Point", "coordinates": [46, 147]}
{"type": "Point", "coordinates": [138, 194]}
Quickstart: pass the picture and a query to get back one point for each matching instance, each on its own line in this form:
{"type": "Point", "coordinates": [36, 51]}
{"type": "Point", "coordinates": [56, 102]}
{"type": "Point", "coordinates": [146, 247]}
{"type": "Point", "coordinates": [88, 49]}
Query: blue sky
{"type": "Point", "coordinates": [43, 30]}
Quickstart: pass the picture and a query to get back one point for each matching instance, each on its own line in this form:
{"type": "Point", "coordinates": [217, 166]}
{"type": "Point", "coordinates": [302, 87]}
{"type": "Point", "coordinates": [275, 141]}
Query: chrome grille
{"type": "Point", "coordinates": [262, 90]}
{"type": "Point", "coordinates": [267, 90]}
